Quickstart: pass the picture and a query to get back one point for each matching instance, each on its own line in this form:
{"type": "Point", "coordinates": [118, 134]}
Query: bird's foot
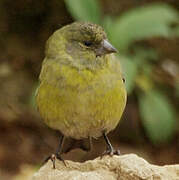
{"type": "Point", "coordinates": [53, 158]}
{"type": "Point", "coordinates": [110, 152]}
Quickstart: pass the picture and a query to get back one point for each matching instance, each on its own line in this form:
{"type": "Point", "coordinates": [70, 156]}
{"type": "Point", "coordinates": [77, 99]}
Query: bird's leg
{"type": "Point", "coordinates": [59, 150]}
{"type": "Point", "coordinates": [109, 150]}
{"type": "Point", "coordinates": [57, 155]}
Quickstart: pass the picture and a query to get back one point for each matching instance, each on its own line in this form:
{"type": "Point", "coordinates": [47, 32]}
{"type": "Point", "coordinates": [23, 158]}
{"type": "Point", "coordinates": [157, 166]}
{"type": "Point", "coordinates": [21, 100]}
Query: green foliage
{"type": "Point", "coordinates": [143, 22]}
{"type": "Point", "coordinates": [157, 115]}
{"type": "Point", "coordinates": [32, 101]}
{"type": "Point", "coordinates": [140, 23]}
{"type": "Point", "coordinates": [130, 72]}
{"type": "Point", "coordinates": [84, 10]}
{"type": "Point", "coordinates": [132, 65]}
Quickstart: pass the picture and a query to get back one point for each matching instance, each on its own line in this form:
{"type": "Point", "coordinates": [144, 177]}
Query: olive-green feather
{"type": "Point", "coordinates": [80, 94]}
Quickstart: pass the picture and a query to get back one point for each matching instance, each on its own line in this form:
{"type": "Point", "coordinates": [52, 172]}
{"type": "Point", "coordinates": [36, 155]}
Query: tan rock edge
{"type": "Point", "coordinates": [124, 167]}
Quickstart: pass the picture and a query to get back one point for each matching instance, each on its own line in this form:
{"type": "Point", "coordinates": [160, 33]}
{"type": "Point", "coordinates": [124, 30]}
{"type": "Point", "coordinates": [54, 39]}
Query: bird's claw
{"type": "Point", "coordinates": [111, 152]}
{"type": "Point", "coordinates": [53, 158]}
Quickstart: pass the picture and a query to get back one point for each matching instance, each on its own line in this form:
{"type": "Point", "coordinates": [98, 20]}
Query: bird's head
{"type": "Point", "coordinates": [89, 37]}
{"type": "Point", "coordinates": [82, 41]}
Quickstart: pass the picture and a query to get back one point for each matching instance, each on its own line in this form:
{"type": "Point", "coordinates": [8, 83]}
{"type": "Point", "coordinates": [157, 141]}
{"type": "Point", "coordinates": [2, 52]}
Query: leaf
{"type": "Point", "coordinates": [145, 54]}
{"type": "Point", "coordinates": [84, 10]}
{"type": "Point", "coordinates": [129, 68]}
{"type": "Point", "coordinates": [108, 23]}
{"type": "Point", "coordinates": [32, 99]}
{"type": "Point", "coordinates": [176, 31]}
{"type": "Point", "coordinates": [157, 116]}
{"type": "Point", "coordinates": [143, 22]}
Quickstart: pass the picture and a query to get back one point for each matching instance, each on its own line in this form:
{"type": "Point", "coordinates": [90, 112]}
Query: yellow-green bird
{"type": "Point", "coordinates": [81, 91]}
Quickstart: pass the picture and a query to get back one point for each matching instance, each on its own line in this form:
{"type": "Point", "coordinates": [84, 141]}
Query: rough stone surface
{"type": "Point", "coordinates": [124, 167]}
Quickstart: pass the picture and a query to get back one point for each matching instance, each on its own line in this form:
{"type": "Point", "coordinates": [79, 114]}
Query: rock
{"type": "Point", "coordinates": [124, 167]}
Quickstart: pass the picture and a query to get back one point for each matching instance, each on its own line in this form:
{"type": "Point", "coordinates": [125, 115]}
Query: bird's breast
{"type": "Point", "coordinates": [81, 103]}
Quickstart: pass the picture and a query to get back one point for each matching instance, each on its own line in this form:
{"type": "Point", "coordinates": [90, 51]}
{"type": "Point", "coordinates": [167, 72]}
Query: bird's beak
{"type": "Point", "coordinates": [105, 48]}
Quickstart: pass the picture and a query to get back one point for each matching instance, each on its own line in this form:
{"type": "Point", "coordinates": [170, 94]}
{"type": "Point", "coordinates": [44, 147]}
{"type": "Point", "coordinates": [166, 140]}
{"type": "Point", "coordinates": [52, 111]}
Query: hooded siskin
{"type": "Point", "coordinates": [81, 90]}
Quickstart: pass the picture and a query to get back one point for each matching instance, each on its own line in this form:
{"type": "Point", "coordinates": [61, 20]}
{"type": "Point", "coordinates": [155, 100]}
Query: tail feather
{"type": "Point", "coordinates": [70, 144]}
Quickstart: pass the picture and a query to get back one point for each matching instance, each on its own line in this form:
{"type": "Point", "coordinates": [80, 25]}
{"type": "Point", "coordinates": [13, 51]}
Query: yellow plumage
{"type": "Point", "coordinates": [81, 90]}
{"type": "Point", "coordinates": [81, 103]}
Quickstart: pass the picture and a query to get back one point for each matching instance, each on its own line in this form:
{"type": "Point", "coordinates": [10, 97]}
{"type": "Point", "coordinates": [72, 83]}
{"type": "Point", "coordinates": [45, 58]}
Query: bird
{"type": "Point", "coordinates": [81, 92]}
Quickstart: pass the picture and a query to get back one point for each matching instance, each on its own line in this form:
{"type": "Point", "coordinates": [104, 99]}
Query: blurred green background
{"type": "Point", "coordinates": [146, 33]}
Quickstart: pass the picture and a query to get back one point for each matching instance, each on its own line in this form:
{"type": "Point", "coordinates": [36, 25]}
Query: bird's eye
{"type": "Point", "coordinates": [87, 43]}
